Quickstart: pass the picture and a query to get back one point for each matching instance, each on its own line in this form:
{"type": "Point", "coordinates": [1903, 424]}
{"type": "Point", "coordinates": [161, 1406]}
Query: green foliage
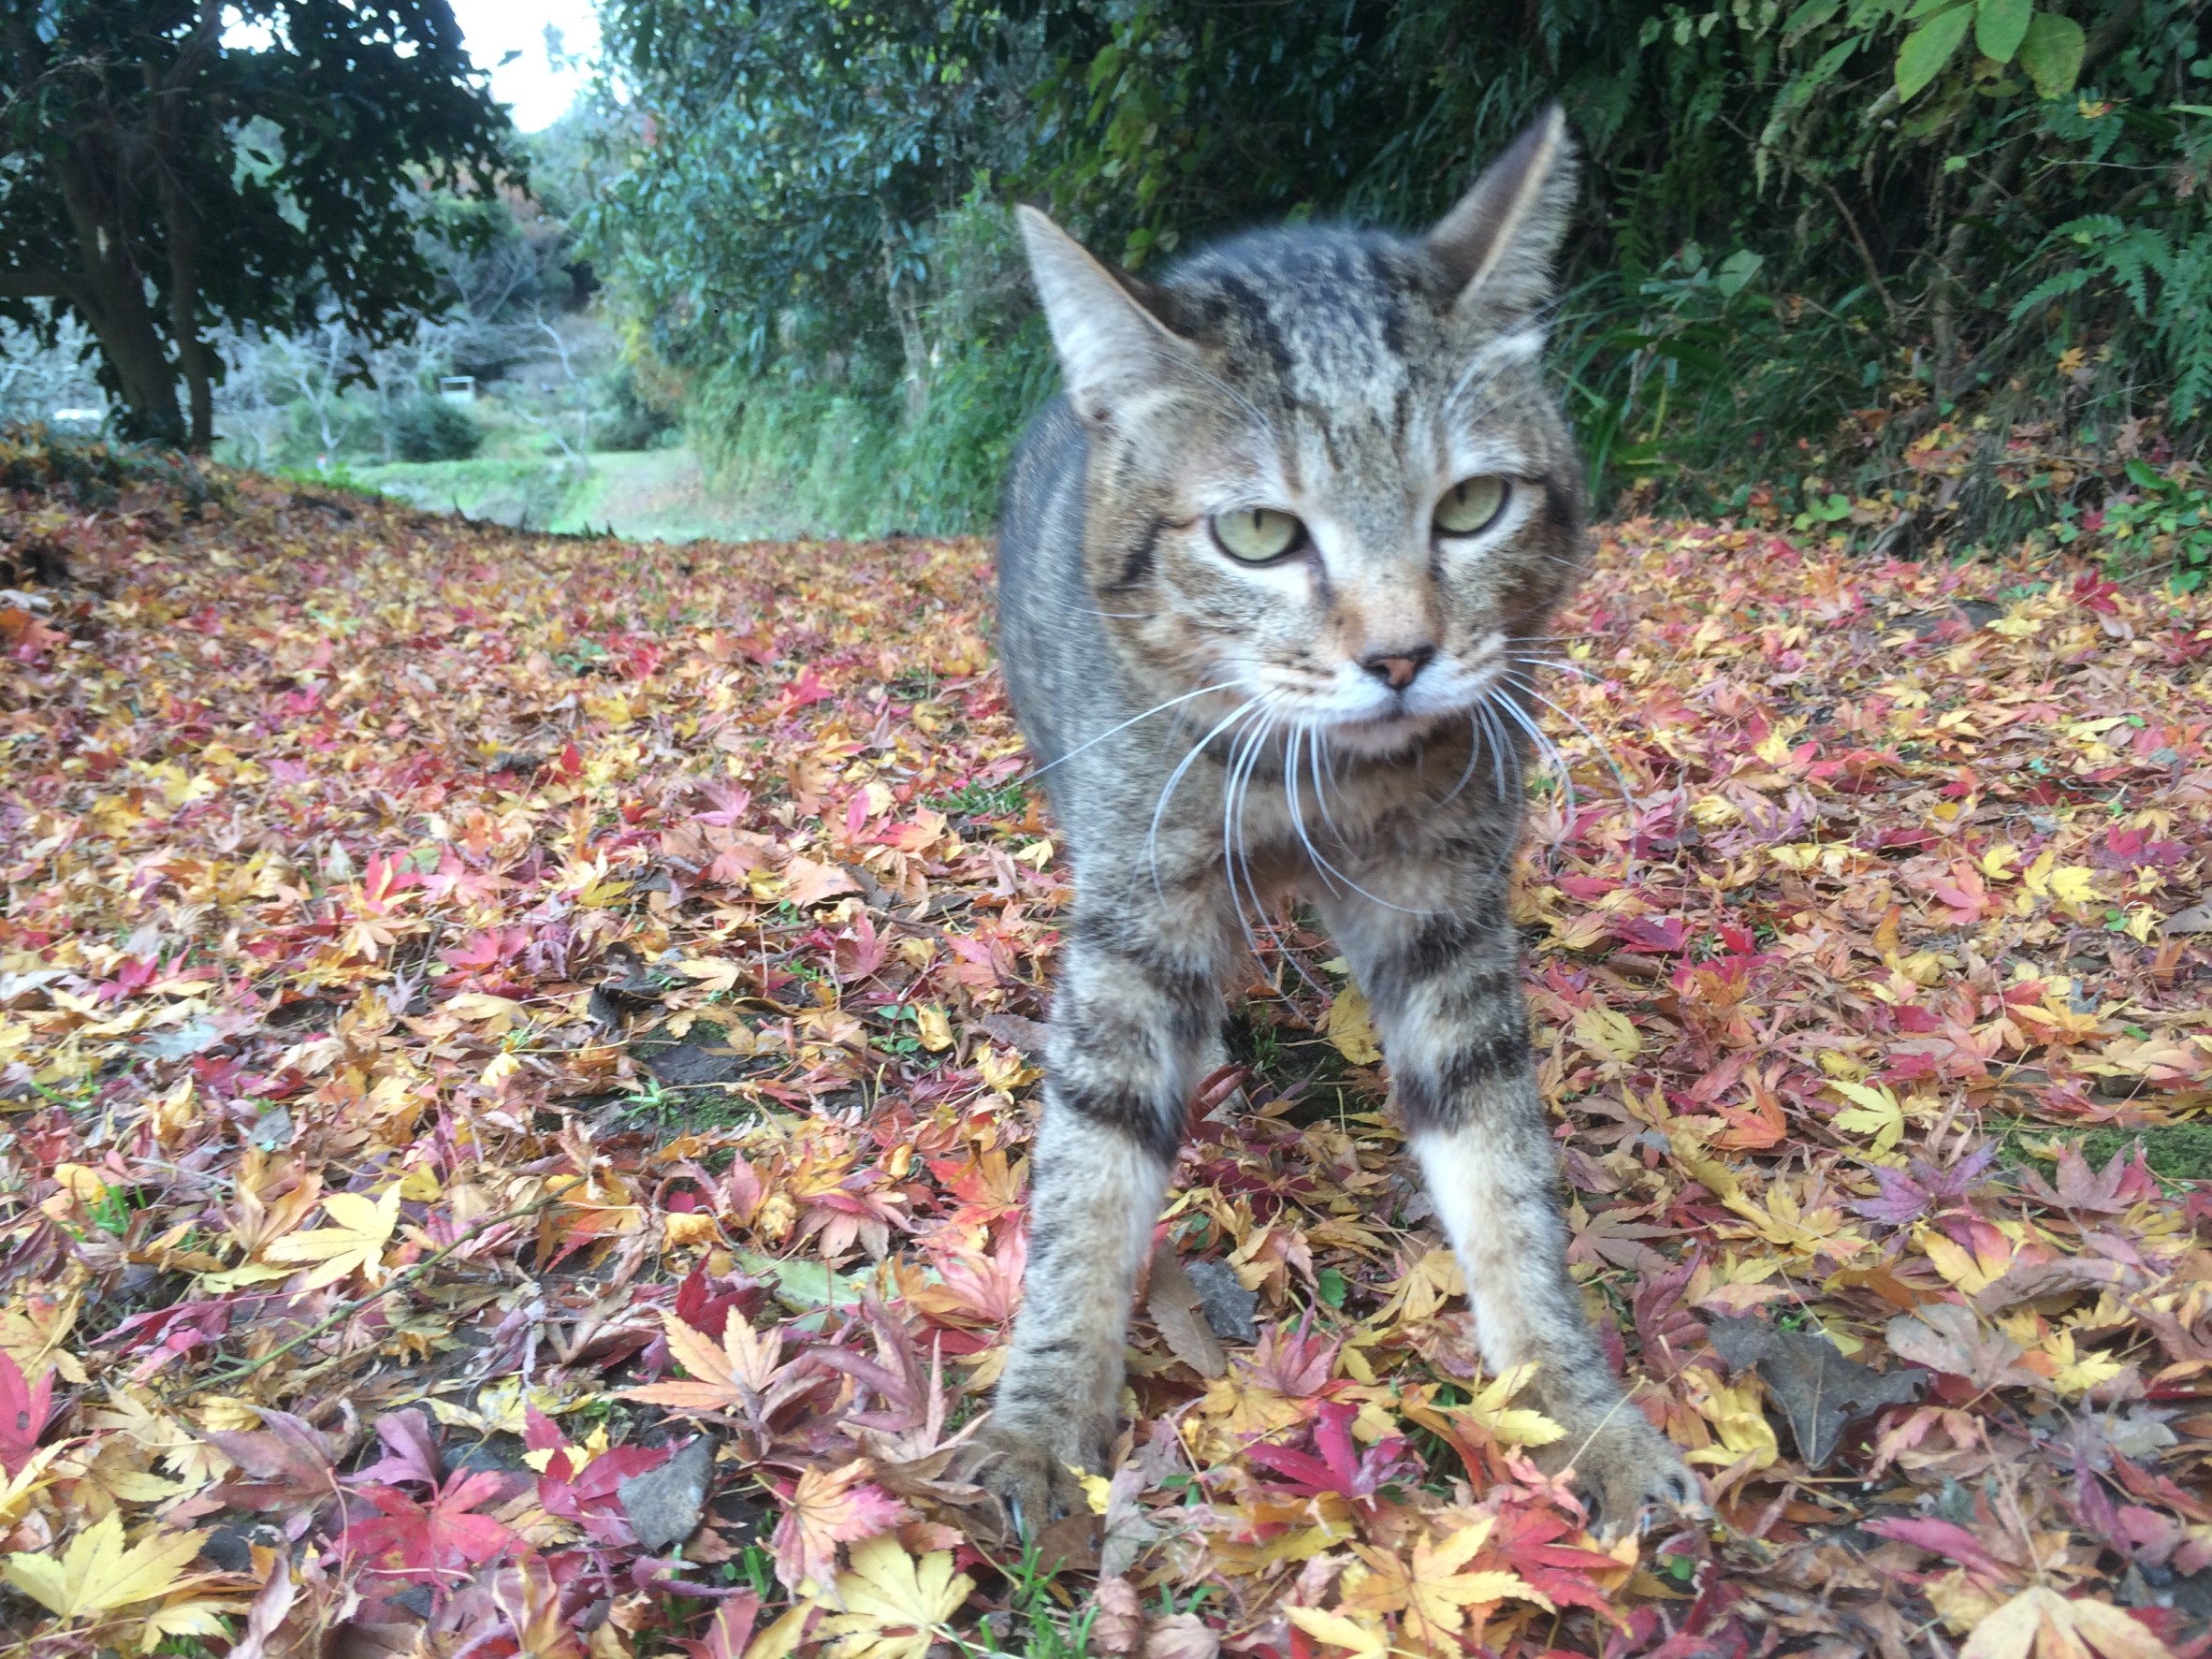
{"type": "Point", "coordinates": [430, 428]}
{"type": "Point", "coordinates": [629, 418]}
{"type": "Point", "coordinates": [1795, 214]}
{"type": "Point", "coordinates": [2153, 519]}
{"type": "Point", "coordinates": [92, 472]}
{"type": "Point", "coordinates": [161, 174]}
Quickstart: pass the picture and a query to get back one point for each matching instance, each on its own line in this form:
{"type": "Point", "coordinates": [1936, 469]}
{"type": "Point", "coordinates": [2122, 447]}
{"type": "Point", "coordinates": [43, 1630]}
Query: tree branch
{"type": "Point", "coordinates": [39, 282]}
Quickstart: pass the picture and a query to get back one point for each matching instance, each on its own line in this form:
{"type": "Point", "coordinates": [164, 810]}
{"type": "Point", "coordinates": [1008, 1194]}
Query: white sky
{"type": "Point", "coordinates": [537, 91]}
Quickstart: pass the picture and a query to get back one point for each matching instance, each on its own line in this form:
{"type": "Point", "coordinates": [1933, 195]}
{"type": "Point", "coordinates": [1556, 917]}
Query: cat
{"type": "Point", "coordinates": [1270, 575]}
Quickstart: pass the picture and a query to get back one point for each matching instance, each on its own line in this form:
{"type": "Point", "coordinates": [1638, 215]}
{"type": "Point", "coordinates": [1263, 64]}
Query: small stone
{"type": "Point", "coordinates": [664, 1505]}
{"type": "Point", "coordinates": [1228, 1305]}
{"type": "Point", "coordinates": [227, 1549]}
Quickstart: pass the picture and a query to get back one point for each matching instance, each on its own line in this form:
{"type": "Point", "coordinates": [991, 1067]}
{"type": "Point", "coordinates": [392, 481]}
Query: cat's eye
{"type": "Point", "coordinates": [1471, 504]}
{"type": "Point", "coordinates": [1258, 535]}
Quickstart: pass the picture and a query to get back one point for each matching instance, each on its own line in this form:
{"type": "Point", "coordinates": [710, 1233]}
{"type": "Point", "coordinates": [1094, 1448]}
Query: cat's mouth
{"type": "Point", "coordinates": [1446, 691]}
{"type": "Point", "coordinates": [1388, 733]}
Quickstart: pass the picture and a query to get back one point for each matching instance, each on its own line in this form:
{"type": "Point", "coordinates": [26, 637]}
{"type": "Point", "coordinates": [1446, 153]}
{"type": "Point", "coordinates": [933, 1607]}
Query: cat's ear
{"type": "Point", "coordinates": [1498, 245]}
{"type": "Point", "coordinates": [1114, 351]}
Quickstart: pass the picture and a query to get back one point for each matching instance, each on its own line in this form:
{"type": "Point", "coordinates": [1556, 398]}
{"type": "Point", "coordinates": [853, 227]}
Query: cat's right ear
{"type": "Point", "coordinates": [1500, 243]}
{"type": "Point", "coordinates": [1114, 351]}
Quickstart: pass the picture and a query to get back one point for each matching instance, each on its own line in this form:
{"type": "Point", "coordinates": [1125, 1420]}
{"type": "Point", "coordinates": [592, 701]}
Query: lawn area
{"type": "Point", "coordinates": [647, 495]}
{"type": "Point", "coordinates": [479, 1009]}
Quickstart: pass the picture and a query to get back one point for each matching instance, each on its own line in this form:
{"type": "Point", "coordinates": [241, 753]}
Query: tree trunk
{"type": "Point", "coordinates": [111, 293]}
{"type": "Point", "coordinates": [192, 351]}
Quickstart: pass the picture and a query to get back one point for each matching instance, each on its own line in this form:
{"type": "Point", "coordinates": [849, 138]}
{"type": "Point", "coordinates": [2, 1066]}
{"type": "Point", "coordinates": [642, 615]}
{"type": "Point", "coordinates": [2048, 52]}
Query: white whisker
{"type": "Point", "coordinates": [1175, 778]}
{"type": "Point", "coordinates": [1124, 726]}
{"type": "Point", "coordinates": [1299, 733]}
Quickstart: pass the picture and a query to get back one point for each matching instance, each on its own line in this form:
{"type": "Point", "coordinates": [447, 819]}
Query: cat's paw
{"type": "Point", "coordinates": [1034, 1475]}
{"type": "Point", "coordinates": [1628, 1470]}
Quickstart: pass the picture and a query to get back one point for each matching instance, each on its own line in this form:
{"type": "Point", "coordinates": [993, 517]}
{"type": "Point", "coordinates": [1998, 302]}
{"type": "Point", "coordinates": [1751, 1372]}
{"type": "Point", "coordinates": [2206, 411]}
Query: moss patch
{"type": "Point", "coordinates": [2177, 1151]}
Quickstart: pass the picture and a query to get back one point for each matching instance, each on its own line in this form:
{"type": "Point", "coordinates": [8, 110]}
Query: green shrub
{"type": "Point", "coordinates": [430, 428]}
{"type": "Point", "coordinates": [92, 472]}
{"type": "Point", "coordinates": [626, 419]}
{"type": "Point", "coordinates": [2152, 520]}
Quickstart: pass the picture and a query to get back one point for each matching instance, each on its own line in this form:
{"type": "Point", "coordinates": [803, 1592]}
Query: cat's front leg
{"type": "Point", "coordinates": [1132, 1014]}
{"type": "Point", "coordinates": [1454, 1021]}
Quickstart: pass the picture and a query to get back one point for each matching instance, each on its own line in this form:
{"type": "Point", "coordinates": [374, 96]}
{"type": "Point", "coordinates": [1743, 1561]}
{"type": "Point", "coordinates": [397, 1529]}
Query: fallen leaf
{"type": "Point", "coordinates": [100, 1574]}
{"type": "Point", "coordinates": [895, 1606]}
{"type": "Point", "coordinates": [355, 1244]}
{"type": "Point", "coordinates": [1818, 1389]}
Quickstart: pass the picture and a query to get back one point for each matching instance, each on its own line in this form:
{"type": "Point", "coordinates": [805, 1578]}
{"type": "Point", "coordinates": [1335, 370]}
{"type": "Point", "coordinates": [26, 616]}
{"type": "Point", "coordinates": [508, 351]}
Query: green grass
{"type": "Point", "coordinates": [640, 495]}
{"type": "Point", "coordinates": [531, 494]}
{"type": "Point", "coordinates": [2175, 1151]}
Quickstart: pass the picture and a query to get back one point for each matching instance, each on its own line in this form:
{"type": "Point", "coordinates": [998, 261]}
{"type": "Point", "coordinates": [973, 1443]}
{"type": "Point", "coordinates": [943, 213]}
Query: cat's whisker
{"type": "Point", "coordinates": [1322, 862]}
{"type": "Point", "coordinates": [1299, 733]}
{"type": "Point", "coordinates": [1558, 664]}
{"type": "Point", "coordinates": [1242, 757]}
{"type": "Point", "coordinates": [1550, 750]}
{"type": "Point", "coordinates": [1156, 708]}
{"type": "Point", "coordinates": [1474, 754]}
{"type": "Point", "coordinates": [1502, 752]}
{"type": "Point", "coordinates": [1596, 743]}
{"type": "Point", "coordinates": [1254, 748]}
{"type": "Point", "coordinates": [1175, 778]}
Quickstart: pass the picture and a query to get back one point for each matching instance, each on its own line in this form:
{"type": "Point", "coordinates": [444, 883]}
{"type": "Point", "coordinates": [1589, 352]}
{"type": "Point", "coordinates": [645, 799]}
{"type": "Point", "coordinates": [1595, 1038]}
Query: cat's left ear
{"type": "Point", "coordinates": [1114, 351]}
{"type": "Point", "coordinates": [1500, 244]}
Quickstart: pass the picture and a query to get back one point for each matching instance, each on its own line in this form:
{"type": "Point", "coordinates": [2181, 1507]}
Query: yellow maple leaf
{"type": "Point", "coordinates": [1351, 1027]}
{"type": "Point", "coordinates": [2039, 1618]}
{"type": "Point", "coordinates": [1873, 1112]}
{"type": "Point", "coordinates": [1515, 1426]}
{"type": "Point", "coordinates": [1364, 1638]}
{"type": "Point", "coordinates": [98, 1574]}
{"type": "Point", "coordinates": [713, 975]}
{"type": "Point", "coordinates": [1735, 1411]}
{"type": "Point", "coordinates": [1608, 1035]}
{"type": "Point", "coordinates": [1428, 1588]}
{"type": "Point", "coordinates": [2074, 884]}
{"type": "Point", "coordinates": [1973, 1271]}
{"type": "Point", "coordinates": [364, 1227]}
{"type": "Point", "coordinates": [729, 1378]}
{"type": "Point", "coordinates": [2078, 1373]}
{"type": "Point", "coordinates": [896, 1606]}
{"type": "Point", "coordinates": [933, 1027]}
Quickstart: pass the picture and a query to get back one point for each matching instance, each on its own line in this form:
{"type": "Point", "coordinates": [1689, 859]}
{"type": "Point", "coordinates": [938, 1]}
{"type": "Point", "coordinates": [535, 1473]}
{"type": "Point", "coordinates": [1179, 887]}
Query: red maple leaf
{"type": "Point", "coordinates": [1339, 1468]}
{"type": "Point", "coordinates": [590, 1497]}
{"type": "Point", "coordinates": [436, 1539]}
{"type": "Point", "coordinates": [1526, 1537]}
{"type": "Point", "coordinates": [23, 1411]}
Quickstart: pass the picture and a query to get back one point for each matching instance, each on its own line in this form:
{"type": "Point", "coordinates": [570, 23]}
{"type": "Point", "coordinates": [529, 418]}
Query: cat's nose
{"type": "Point", "coordinates": [1396, 669]}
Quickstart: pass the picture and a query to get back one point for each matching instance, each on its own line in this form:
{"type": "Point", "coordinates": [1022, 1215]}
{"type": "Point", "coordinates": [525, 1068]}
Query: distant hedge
{"type": "Point", "coordinates": [1820, 242]}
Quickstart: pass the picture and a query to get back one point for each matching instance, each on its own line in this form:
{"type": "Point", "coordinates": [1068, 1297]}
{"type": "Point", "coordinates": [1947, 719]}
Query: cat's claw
{"type": "Point", "coordinates": [1034, 1484]}
{"type": "Point", "coordinates": [1629, 1470]}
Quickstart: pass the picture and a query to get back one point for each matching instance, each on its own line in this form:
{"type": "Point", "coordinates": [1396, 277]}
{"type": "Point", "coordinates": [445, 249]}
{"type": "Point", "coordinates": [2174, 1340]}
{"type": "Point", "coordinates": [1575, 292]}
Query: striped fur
{"type": "Point", "coordinates": [1213, 733]}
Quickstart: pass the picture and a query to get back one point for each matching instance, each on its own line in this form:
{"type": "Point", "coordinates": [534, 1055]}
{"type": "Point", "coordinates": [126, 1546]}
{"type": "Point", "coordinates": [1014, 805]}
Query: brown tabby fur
{"type": "Point", "coordinates": [1349, 723]}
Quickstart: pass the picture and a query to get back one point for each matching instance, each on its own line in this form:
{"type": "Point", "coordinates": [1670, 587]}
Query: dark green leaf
{"type": "Point", "coordinates": [2050, 52]}
{"type": "Point", "coordinates": [1928, 48]}
{"type": "Point", "coordinates": [2000, 26]}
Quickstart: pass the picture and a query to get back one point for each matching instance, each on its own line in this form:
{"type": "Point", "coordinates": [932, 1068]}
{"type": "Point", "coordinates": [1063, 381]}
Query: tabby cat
{"type": "Point", "coordinates": [1270, 577]}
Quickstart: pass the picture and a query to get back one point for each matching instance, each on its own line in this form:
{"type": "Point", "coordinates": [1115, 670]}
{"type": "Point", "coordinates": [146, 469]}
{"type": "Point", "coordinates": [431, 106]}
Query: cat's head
{"type": "Point", "coordinates": [1324, 468]}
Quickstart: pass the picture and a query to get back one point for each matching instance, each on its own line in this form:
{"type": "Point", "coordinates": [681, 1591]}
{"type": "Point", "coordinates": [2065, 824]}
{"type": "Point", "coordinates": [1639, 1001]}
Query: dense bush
{"type": "Point", "coordinates": [626, 417]}
{"type": "Point", "coordinates": [93, 473]}
{"type": "Point", "coordinates": [1818, 240]}
{"type": "Point", "coordinates": [432, 429]}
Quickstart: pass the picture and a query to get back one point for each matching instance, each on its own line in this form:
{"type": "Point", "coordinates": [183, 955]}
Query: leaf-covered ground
{"type": "Point", "coordinates": [477, 1011]}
